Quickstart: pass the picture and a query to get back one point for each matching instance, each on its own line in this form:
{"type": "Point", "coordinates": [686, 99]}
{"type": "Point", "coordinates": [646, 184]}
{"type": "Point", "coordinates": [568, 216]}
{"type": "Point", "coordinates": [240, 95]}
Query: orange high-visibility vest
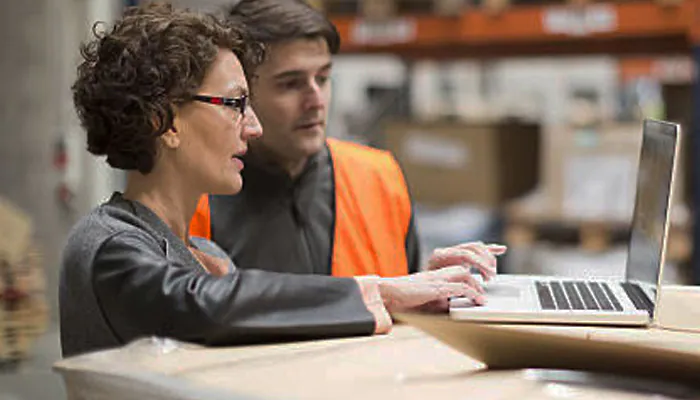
{"type": "Point", "coordinates": [372, 212]}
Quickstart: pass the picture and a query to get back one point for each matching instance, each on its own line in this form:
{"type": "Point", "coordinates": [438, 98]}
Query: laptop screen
{"type": "Point", "coordinates": [647, 235]}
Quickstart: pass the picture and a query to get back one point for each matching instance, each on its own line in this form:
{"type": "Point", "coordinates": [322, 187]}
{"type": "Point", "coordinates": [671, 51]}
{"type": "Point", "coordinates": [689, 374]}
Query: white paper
{"type": "Point", "coordinates": [599, 187]}
{"type": "Point", "coordinates": [422, 148]}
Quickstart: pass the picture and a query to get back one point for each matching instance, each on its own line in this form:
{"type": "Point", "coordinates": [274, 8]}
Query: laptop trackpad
{"type": "Point", "coordinates": [495, 292]}
{"type": "Point", "coordinates": [503, 290]}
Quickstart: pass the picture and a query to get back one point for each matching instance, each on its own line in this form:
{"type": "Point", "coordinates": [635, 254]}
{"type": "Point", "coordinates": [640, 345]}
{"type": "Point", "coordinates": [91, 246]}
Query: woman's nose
{"type": "Point", "coordinates": [251, 125]}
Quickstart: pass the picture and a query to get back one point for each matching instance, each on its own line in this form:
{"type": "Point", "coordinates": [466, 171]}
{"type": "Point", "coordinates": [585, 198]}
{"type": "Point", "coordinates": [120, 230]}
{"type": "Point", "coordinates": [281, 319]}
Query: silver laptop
{"type": "Point", "coordinates": [545, 299]}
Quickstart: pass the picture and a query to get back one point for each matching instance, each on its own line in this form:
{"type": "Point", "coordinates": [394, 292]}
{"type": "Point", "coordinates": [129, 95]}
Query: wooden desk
{"type": "Point", "coordinates": [407, 364]}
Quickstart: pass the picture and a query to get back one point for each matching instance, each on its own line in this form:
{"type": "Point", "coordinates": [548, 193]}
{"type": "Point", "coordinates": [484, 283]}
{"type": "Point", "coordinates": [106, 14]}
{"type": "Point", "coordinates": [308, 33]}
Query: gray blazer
{"type": "Point", "coordinates": [126, 275]}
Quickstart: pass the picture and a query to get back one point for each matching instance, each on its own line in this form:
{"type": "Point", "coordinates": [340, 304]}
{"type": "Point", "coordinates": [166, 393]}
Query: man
{"type": "Point", "coordinates": [311, 204]}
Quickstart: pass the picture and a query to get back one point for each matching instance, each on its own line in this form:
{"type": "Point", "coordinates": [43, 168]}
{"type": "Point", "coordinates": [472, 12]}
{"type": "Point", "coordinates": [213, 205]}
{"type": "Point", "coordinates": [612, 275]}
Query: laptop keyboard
{"type": "Point", "coordinates": [576, 295]}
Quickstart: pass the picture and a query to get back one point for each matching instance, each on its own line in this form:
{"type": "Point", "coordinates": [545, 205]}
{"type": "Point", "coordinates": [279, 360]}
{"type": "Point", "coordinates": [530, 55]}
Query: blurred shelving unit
{"type": "Point", "coordinates": [494, 30]}
{"type": "Point", "coordinates": [630, 27]}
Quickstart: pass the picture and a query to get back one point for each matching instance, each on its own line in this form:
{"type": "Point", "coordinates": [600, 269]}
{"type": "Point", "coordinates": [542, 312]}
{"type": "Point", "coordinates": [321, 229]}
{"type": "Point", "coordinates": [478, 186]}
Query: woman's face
{"type": "Point", "coordinates": [213, 137]}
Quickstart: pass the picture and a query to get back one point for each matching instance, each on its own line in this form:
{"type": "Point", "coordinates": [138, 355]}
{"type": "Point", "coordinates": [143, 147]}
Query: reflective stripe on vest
{"type": "Point", "coordinates": [373, 212]}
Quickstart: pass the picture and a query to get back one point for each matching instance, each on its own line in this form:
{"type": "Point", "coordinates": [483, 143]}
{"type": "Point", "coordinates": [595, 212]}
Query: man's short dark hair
{"type": "Point", "coordinates": [132, 77]}
{"type": "Point", "coordinates": [273, 21]}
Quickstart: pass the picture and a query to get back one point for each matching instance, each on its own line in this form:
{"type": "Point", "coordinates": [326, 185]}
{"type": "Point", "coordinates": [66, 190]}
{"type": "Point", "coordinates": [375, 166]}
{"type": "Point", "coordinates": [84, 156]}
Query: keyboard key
{"type": "Point", "coordinates": [600, 296]}
{"type": "Point", "coordinates": [559, 296]}
{"type": "Point", "coordinates": [587, 297]}
{"type": "Point", "coordinates": [574, 296]}
{"type": "Point", "coordinates": [633, 296]}
{"type": "Point", "coordinates": [640, 299]}
{"type": "Point", "coordinates": [613, 299]}
{"type": "Point", "coordinates": [648, 303]}
{"type": "Point", "coordinates": [545, 296]}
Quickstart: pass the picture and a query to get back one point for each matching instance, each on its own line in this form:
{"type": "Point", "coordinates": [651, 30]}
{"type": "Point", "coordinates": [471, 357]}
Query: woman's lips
{"type": "Point", "coordinates": [238, 163]}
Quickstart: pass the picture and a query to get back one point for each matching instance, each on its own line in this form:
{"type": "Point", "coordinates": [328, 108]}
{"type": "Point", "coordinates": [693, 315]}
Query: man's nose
{"type": "Point", "coordinates": [314, 97]}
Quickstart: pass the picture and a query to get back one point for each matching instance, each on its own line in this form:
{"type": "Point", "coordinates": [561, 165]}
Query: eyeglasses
{"type": "Point", "coordinates": [237, 103]}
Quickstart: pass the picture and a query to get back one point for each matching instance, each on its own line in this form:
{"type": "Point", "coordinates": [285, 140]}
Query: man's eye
{"type": "Point", "coordinates": [321, 80]}
{"type": "Point", "coordinates": [293, 84]}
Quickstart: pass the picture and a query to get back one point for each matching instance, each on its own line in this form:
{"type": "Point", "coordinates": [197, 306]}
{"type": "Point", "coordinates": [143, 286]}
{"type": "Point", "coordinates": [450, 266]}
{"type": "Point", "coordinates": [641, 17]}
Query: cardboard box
{"type": "Point", "coordinates": [677, 309]}
{"type": "Point", "coordinates": [23, 309]}
{"type": "Point", "coordinates": [661, 355]}
{"type": "Point", "coordinates": [591, 174]}
{"type": "Point", "coordinates": [18, 227]}
{"type": "Point", "coordinates": [403, 365]}
{"type": "Point", "coordinates": [450, 162]}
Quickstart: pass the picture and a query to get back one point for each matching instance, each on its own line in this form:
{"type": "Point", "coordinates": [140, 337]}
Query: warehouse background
{"type": "Point", "coordinates": [515, 121]}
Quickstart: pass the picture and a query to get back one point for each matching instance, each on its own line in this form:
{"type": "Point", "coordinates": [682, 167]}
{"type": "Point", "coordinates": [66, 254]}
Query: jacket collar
{"type": "Point", "coordinates": [175, 249]}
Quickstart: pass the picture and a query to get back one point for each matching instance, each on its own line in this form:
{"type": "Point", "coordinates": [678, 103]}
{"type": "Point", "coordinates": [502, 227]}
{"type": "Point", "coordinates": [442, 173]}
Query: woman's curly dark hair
{"type": "Point", "coordinates": [154, 58]}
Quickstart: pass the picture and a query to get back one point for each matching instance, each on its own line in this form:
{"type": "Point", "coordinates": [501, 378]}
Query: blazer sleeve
{"type": "Point", "coordinates": [142, 292]}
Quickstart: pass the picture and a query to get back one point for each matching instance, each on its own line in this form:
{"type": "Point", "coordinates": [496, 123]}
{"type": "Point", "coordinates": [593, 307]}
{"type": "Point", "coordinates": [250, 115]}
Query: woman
{"type": "Point", "coordinates": [164, 96]}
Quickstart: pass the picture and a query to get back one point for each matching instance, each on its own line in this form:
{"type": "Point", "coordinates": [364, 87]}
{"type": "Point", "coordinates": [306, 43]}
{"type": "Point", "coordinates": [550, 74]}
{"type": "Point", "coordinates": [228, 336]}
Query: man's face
{"type": "Point", "coordinates": [290, 96]}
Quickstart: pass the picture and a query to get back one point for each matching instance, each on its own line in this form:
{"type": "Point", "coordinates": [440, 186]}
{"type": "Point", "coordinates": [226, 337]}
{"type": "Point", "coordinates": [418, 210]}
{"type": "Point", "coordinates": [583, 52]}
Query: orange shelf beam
{"type": "Point", "coordinates": [358, 34]}
{"type": "Point", "coordinates": [528, 23]}
{"type": "Point", "coordinates": [632, 27]}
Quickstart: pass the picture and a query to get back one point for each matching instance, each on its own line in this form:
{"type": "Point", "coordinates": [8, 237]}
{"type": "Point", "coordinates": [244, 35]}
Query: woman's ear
{"type": "Point", "coordinates": [171, 137]}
